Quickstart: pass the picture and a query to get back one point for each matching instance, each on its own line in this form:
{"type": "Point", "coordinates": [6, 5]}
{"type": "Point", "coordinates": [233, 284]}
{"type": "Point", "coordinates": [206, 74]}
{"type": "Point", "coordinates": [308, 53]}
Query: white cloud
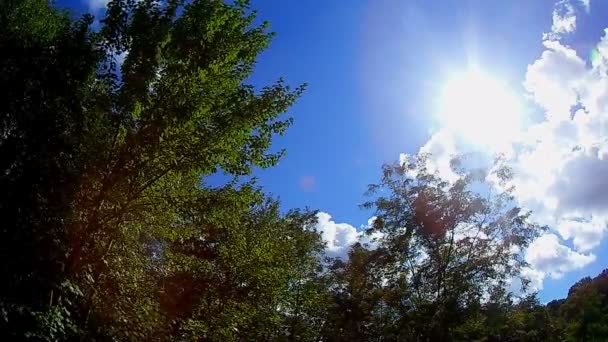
{"type": "Point", "coordinates": [586, 233]}
{"type": "Point", "coordinates": [564, 18]}
{"type": "Point", "coordinates": [560, 164]}
{"type": "Point", "coordinates": [441, 149]}
{"type": "Point", "coordinates": [552, 80]}
{"type": "Point", "coordinates": [547, 256]}
{"type": "Point", "coordinates": [602, 46]}
{"type": "Point", "coordinates": [562, 169]}
{"type": "Point", "coordinates": [581, 182]}
{"type": "Point", "coordinates": [535, 278]}
{"type": "Point", "coordinates": [339, 237]}
{"type": "Point", "coordinates": [95, 5]}
{"type": "Point", "coordinates": [372, 239]}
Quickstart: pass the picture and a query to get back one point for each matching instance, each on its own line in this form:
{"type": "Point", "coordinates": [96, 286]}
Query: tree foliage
{"type": "Point", "coordinates": [446, 246]}
{"type": "Point", "coordinates": [102, 164]}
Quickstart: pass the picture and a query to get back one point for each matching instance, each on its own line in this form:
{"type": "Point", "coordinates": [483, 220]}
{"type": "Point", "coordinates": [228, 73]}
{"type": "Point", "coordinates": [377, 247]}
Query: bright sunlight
{"type": "Point", "coordinates": [480, 109]}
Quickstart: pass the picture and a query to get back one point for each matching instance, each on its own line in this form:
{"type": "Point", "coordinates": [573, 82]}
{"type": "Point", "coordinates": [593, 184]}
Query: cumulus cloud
{"type": "Point", "coordinates": [339, 237]}
{"type": "Point", "coordinates": [564, 18]}
{"type": "Point", "coordinates": [586, 233]}
{"type": "Point", "coordinates": [535, 280]}
{"type": "Point", "coordinates": [547, 256]}
{"type": "Point", "coordinates": [561, 168]}
{"type": "Point", "coordinates": [582, 182]}
{"type": "Point", "coordinates": [560, 163]}
{"type": "Point", "coordinates": [552, 79]}
{"type": "Point", "coordinates": [441, 148]}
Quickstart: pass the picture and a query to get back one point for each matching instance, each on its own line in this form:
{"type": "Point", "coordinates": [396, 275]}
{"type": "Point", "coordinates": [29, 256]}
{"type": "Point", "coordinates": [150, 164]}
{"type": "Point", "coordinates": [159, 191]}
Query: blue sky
{"type": "Point", "coordinates": [371, 68]}
{"type": "Point", "coordinates": [376, 70]}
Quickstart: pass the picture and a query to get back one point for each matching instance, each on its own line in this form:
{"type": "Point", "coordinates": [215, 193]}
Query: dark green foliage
{"type": "Point", "coordinates": [357, 303]}
{"type": "Point", "coordinates": [583, 315]}
{"type": "Point", "coordinates": [101, 165]}
{"type": "Point", "coordinates": [46, 63]}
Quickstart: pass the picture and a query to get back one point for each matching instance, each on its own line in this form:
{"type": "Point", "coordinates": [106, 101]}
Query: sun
{"type": "Point", "coordinates": [480, 109]}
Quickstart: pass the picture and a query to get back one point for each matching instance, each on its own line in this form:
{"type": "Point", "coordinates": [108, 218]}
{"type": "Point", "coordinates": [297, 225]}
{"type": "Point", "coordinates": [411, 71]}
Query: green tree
{"type": "Point", "coordinates": [236, 275]}
{"type": "Point", "coordinates": [528, 320]}
{"type": "Point", "coordinates": [585, 314]}
{"type": "Point", "coordinates": [99, 159]}
{"type": "Point", "coordinates": [446, 246]}
{"type": "Point", "coordinates": [111, 231]}
{"type": "Point", "coordinates": [47, 62]}
{"type": "Point", "coordinates": [357, 298]}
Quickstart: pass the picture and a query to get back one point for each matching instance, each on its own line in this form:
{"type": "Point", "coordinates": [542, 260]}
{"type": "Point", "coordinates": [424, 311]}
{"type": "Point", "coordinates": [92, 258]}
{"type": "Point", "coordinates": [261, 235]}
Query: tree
{"type": "Point", "coordinates": [47, 62]}
{"type": "Point", "coordinates": [582, 316]}
{"type": "Point", "coordinates": [528, 320]}
{"type": "Point", "coordinates": [446, 246]}
{"type": "Point", "coordinates": [111, 231]}
{"type": "Point", "coordinates": [585, 315]}
{"type": "Point", "coordinates": [98, 157]}
{"type": "Point", "coordinates": [239, 272]}
{"type": "Point", "coordinates": [357, 298]}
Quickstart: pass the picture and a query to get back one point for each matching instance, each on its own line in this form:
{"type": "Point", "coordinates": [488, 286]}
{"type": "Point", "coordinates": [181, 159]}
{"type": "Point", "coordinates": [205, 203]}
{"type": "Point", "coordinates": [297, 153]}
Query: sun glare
{"type": "Point", "coordinates": [480, 109]}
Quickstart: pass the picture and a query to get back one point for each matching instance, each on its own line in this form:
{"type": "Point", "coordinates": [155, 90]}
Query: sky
{"type": "Point", "coordinates": [389, 78]}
